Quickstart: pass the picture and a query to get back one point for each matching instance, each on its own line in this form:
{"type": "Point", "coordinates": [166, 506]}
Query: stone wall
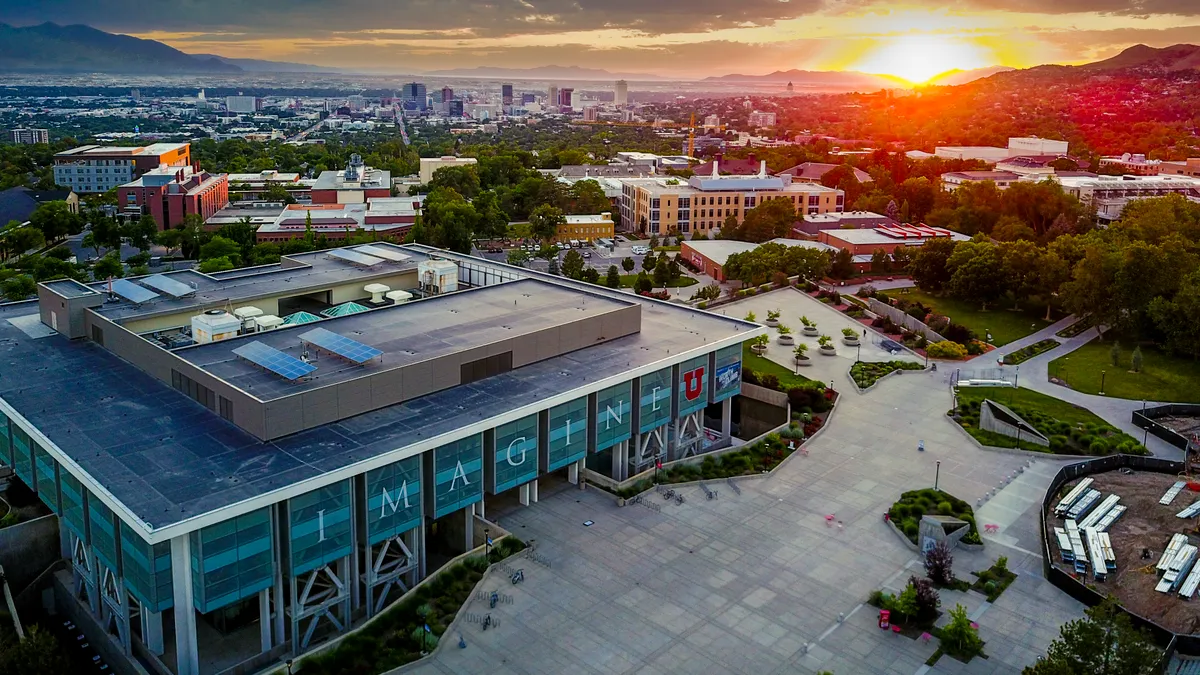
{"type": "Point", "coordinates": [27, 549]}
{"type": "Point", "coordinates": [901, 319]}
{"type": "Point", "coordinates": [990, 421]}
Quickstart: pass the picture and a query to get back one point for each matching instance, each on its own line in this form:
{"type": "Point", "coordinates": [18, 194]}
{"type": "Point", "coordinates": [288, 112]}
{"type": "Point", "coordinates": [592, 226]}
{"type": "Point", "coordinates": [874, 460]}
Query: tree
{"type": "Point", "coordinates": [662, 271]}
{"type": "Point", "coordinates": [928, 266]}
{"type": "Point", "coordinates": [1021, 272]}
{"type": "Point", "coordinates": [925, 596]}
{"type": "Point", "coordinates": [648, 262]}
{"type": "Point", "coordinates": [627, 264]}
{"type": "Point", "coordinates": [586, 196]}
{"type": "Point", "coordinates": [572, 265]}
{"type": "Point", "coordinates": [493, 221]}
{"type": "Point", "coordinates": [108, 266]}
{"type": "Point", "coordinates": [643, 283]}
{"type": "Point", "coordinates": [1176, 318]}
{"type": "Point", "coordinates": [194, 236]}
{"type": "Point", "coordinates": [38, 654]}
{"type": "Point", "coordinates": [220, 247]}
{"type": "Point", "coordinates": [613, 279]}
{"type": "Point", "coordinates": [56, 220]}
{"type": "Point", "coordinates": [590, 275]}
{"type": "Point", "coordinates": [277, 193]}
{"type": "Point", "coordinates": [1135, 361]}
{"type": "Point", "coordinates": [976, 273]}
{"type": "Point", "coordinates": [771, 219]}
{"type": "Point", "coordinates": [653, 242]}
{"type": "Point", "coordinates": [140, 233]}
{"type": "Point", "coordinates": [893, 210]}
{"type": "Point", "coordinates": [172, 239]}
{"type": "Point", "coordinates": [450, 219]}
{"type": "Point", "coordinates": [517, 257]}
{"type": "Point", "coordinates": [958, 636]}
{"type": "Point", "coordinates": [1114, 354]}
{"type": "Point", "coordinates": [939, 564]}
{"type": "Point", "coordinates": [843, 265]}
{"type": "Point", "coordinates": [17, 288]}
{"type": "Point", "coordinates": [1090, 294]}
{"type": "Point", "coordinates": [22, 239]}
{"type": "Point", "coordinates": [1103, 643]}
{"type": "Point", "coordinates": [544, 222]}
{"type": "Point", "coordinates": [89, 241]}
{"type": "Point", "coordinates": [462, 179]}
{"type": "Point", "coordinates": [1009, 228]}
{"type": "Point", "coordinates": [880, 262]}
{"type": "Point", "coordinates": [216, 265]}
{"type": "Point", "coordinates": [1052, 272]}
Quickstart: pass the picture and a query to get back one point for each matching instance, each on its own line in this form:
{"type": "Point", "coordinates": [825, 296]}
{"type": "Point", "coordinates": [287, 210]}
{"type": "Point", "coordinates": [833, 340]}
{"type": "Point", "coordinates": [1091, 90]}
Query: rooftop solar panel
{"type": "Point", "coordinates": [274, 360]}
{"type": "Point", "coordinates": [381, 252]}
{"type": "Point", "coordinates": [355, 257]}
{"type": "Point", "coordinates": [340, 345]}
{"type": "Point", "coordinates": [131, 291]}
{"type": "Point", "coordinates": [173, 288]}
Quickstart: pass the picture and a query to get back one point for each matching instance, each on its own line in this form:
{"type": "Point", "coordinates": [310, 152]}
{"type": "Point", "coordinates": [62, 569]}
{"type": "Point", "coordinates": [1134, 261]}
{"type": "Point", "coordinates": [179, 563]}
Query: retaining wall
{"type": "Point", "coordinates": [27, 549]}
{"type": "Point", "coordinates": [1147, 421]}
{"type": "Point", "coordinates": [901, 319]}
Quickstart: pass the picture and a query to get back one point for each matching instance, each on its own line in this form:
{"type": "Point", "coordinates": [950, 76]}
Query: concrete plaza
{"type": "Point", "coordinates": [756, 581]}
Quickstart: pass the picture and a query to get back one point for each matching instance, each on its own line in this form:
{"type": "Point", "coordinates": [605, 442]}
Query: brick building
{"type": "Point", "coordinates": [168, 194]}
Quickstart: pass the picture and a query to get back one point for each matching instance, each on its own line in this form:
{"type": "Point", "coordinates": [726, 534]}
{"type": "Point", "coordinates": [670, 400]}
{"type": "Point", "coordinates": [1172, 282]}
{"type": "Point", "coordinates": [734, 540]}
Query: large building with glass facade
{"type": "Point", "coordinates": [283, 450]}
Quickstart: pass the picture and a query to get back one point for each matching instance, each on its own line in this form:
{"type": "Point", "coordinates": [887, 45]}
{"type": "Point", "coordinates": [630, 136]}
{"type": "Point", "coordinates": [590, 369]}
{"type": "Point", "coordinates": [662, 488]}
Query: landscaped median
{"type": "Point", "coordinates": [866, 373]}
{"type": "Point", "coordinates": [1072, 430]}
{"type": "Point", "coordinates": [914, 505]}
{"type": "Point", "coordinates": [398, 635]}
{"type": "Point", "coordinates": [1028, 352]}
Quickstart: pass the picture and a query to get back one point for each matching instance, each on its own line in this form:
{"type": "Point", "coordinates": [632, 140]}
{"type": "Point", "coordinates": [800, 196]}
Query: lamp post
{"type": "Point", "coordinates": [1102, 374]}
{"type": "Point", "coordinates": [487, 544]}
{"type": "Point", "coordinates": [937, 474]}
{"type": "Point", "coordinates": [289, 666]}
{"type": "Point", "coordinates": [1017, 378]}
{"type": "Point", "coordinates": [858, 358]}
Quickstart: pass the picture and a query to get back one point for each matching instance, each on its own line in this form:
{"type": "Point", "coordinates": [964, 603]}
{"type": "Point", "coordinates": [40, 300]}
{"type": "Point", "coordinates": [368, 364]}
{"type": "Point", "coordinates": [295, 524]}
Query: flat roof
{"type": "Point", "coordinates": [596, 218]}
{"type": "Point", "coordinates": [163, 460]}
{"type": "Point", "coordinates": [243, 285]}
{"type": "Point", "coordinates": [719, 250]}
{"type": "Point", "coordinates": [880, 236]}
{"type": "Point", "coordinates": [370, 179]}
{"type": "Point", "coordinates": [407, 333]}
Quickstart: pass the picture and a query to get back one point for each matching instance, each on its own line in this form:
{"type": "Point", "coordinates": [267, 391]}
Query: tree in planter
{"type": "Point", "coordinates": [808, 323]}
{"type": "Point", "coordinates": [1104, 643]}
{"type": "Point", "coordinates": [773, 315]}
{"type": "Point", "coordinates": [801, 352]}
{"type": "Point", "coordinates": [751, 317]}
{"type": "Point", "coordinates": [849, 332]}
{"type": "Point", "coordinates": [825, 341]}
{"type": "Point", "coordinates": [959, 638]}
{"type": "Point", "coordinates": [784, 330]}
{"type": "Point", "coordinates": [760, 341]}
{"type": "Point", "coordinates": [939, 564]}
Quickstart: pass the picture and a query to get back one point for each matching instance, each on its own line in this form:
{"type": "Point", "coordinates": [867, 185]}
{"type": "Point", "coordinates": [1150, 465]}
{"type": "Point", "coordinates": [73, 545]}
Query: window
{"type": "Point", "coordinates": [685, 215]}
{"type": "Point", "coordinates": [654, 203]}
{"type": "Point", "coordinates": [685, 202]}
{"type": "Point", "coordinates": [814, 200]}
{"type": "Point", "coordinates": [812, 210]}
{"type": "Point", "coordinates": [654, 216]}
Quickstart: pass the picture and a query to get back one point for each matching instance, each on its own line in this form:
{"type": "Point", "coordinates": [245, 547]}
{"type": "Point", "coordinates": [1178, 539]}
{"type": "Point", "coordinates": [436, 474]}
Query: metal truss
{"type": "Point", "coordinates": [318, 595]}
{"type": "Point", "coordinates": [388, 564]}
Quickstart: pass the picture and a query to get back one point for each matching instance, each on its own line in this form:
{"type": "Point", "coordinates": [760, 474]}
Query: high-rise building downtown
{"type": "Point", "coordinates": [621, 96]}
{"type": "Point", "coordinates": [564, 98]}
{"type": "Point", "coordinates": [506, 94]}
{"type": "Point", "coordinates": [552, 96]}
{"type": "Point", "coordinates": [28, 136]}
{"type": "Point", "coordinates": [415, 91]}
{"type": "Point", "coordinates": [447, 94]}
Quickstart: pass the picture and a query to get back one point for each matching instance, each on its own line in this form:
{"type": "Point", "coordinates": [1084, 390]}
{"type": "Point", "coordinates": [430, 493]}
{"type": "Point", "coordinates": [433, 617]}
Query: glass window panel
{"type": "Point", "coordinates": [515, 455]}
{"type": "Point", "coordinates": [654, 404]}
{"type": "Point", "coordinates": [103, 530]}
{"type": "Point", "coordinates": [457, 472]}
{"type": "Point", "coordinates": [320, 527]}
{"type": "Point", "coordinates": [568, 438]}
{"type": "Point", "coordinates": [47, 485]}
{"type": "Point", "coordinates": [693, 385]}
{"type": "Point", "coordinates": [614, 415]}
{"type": "Point", "coordinates": [393, 499]}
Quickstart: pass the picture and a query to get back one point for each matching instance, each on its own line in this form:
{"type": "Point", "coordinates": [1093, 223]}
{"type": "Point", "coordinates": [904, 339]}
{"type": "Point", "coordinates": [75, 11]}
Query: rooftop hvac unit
{"type": "Point", "coordinates": [376, 291]}
{"type": "Point", "coordinates": [438, 276]}
{"type": "Point", "coordinates": [215, 325]}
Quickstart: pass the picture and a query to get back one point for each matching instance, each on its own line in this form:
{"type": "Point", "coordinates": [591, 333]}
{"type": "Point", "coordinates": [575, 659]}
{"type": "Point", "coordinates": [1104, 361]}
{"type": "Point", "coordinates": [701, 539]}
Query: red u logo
{"type": "Point", "coordinates": [693, 383]}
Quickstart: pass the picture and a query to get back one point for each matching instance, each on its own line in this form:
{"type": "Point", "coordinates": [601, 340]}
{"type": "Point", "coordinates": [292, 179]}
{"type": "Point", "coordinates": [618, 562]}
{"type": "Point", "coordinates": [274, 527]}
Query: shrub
{"type": "Point", "coordinates": [769, 380]}
{"type": "Point", "coordinates": [989, 587]}
{"type": "Point", "coordinates": [957, 333]}
{"type": "Point", "coordinates": [910, 528]}
{"type": "Point", "coordinates": [925, 597]}
{"type": "Point", "coordinates": [939, 564]}
{"type": "Point", "coordinates": [958, 637]}
{"type": "Point", "coordinates": [946, 349]}
{"type": "Point", "coordinates": [945, 508]}
{"type": "Point", "coordinates": [866, 291]}
{"type": "Point", "coordinates": [1001, 564]}
{"type": "Point", "coordinates": [974, 348]}
{"type": "Point", "coordinates": [1099, 447]}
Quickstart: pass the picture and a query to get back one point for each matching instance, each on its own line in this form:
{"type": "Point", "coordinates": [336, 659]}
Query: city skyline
{"type": "Point", "coordinates": [913, 40]}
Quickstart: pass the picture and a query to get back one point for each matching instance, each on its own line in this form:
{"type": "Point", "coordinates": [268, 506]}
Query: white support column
{"type": "Point", "coordinates": [726, 419]}
{"type": "Point", "coordinates": [573, 473]}
{"type": "Point", "coordinates": [523, 494]}
{"type": "Point", "coordinates": [277, 588]}
{"type": "Point", "coordinates": [187, 656]}
{"type": "Point", "coordinates": [264, 619]}
{"type": "Point", "coordinates": [152, 631]}
{"type": "Point", "coordinates": [533, 490]}
{"type": "Point", "coordinates": [479, 509]}
{"type": "Point", "coordinates": [421, 554]}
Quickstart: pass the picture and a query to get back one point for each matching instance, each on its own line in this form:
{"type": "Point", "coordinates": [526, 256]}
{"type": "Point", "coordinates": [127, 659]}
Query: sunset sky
{"type": "Point", "coordinates": [687, 38]}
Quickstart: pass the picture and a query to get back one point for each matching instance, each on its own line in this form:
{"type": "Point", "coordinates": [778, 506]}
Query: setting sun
{"type": "Point", "coordinates": [917, 58]}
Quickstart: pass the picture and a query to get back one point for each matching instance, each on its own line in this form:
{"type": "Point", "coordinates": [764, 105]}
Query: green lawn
{"type": "Point", "coordinates": [628, 279]}
{"type": "Point", "coordinates": [1032, 403]}
{"type": "Point", "coordinates": [764, 366]}
{"type": "Point", "coordinates": [518, 230]}
{"type": "Point", "coordinates": [1001, 321]}
{"type": "Point", "coordinates": [1163, 377]}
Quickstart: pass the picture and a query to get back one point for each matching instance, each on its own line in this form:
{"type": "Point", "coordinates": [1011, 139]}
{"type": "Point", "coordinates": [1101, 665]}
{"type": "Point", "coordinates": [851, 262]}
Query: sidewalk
{"type": "Point", "coordinates": [1034, 374]}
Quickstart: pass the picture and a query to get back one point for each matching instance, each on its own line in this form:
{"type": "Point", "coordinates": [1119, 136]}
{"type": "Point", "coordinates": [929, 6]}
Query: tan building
{"type": "Point", "coordinates": [700, 204]}
{"type": "Point", "coordinates": [1186, 167]}
{"type": "Point", "coordinates": [586, 228]}
{"type": "Point", "coordinates": [431, 164]}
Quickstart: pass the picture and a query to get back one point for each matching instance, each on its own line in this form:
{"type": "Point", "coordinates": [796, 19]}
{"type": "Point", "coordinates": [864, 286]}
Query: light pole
{"type": "Point", "coordinates": [1017, 378]}
{"type": "Point", "coordinates": [937, 474]}
{"type": "Point", "coordinates": [858, 358]}
{"type": "Point", "coordinates": [487, 544]}
{"type": "Point", "coordinates": [289, 666]}
{"type": "Point", "coordinates": [1102, 374]}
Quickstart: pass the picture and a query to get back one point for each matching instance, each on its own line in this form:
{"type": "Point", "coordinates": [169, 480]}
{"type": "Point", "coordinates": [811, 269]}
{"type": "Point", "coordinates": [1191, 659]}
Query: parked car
{"type": "Point", "coordinates": [586, 254]}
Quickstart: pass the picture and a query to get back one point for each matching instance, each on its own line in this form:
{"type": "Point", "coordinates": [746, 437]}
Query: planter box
{"type": "Point", "coordinates": [828, 351]}
{"type": "Point", "coordinates": [787, 340]}
{"type": "Point", "coordinates": [758, 349]}
{"type": "Point", "coordinates": [806, 361]}
{"type": "Point", "coordinates": [811, 331]}
{"type": "Point", "coordinates": [773, 323]}
{"type": "Point", "coordinates": [852, 341]}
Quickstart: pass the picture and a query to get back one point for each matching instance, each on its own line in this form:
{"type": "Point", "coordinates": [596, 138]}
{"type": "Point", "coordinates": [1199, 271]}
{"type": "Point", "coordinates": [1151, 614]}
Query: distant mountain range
{"type": "Point", "coordinates": [52, 48]}
{"type": "Point", "coordinates": [543, 73]}
{"type": "Point", "coordinates": [800, 78]}
{"type": "Point", "coordinates": [955, 77]}
{"type": "Point", "coordinates": [260, 66]}
{"type": "Point", "coordinates": [1175, 57]}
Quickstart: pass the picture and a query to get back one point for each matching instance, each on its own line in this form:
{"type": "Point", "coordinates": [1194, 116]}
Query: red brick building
{"type": "Point", "coordinates": [168, 194]}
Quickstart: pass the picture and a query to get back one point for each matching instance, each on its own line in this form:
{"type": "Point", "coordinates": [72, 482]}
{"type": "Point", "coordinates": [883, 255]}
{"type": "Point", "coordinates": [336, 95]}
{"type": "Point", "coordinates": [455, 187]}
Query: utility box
{"type": "Point", "coordinates": [215, 325]}
{"type": "Point", "coordinates": [438, 276]}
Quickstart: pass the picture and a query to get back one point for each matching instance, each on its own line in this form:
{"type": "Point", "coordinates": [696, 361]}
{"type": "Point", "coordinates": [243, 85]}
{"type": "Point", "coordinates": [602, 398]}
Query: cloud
{"type": "Point", "coordinates": [1128, 8]}
{"type": "Point", "coordinates": [1088, 45]}
{"type": "Point", "coordinates": [489, 18]}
